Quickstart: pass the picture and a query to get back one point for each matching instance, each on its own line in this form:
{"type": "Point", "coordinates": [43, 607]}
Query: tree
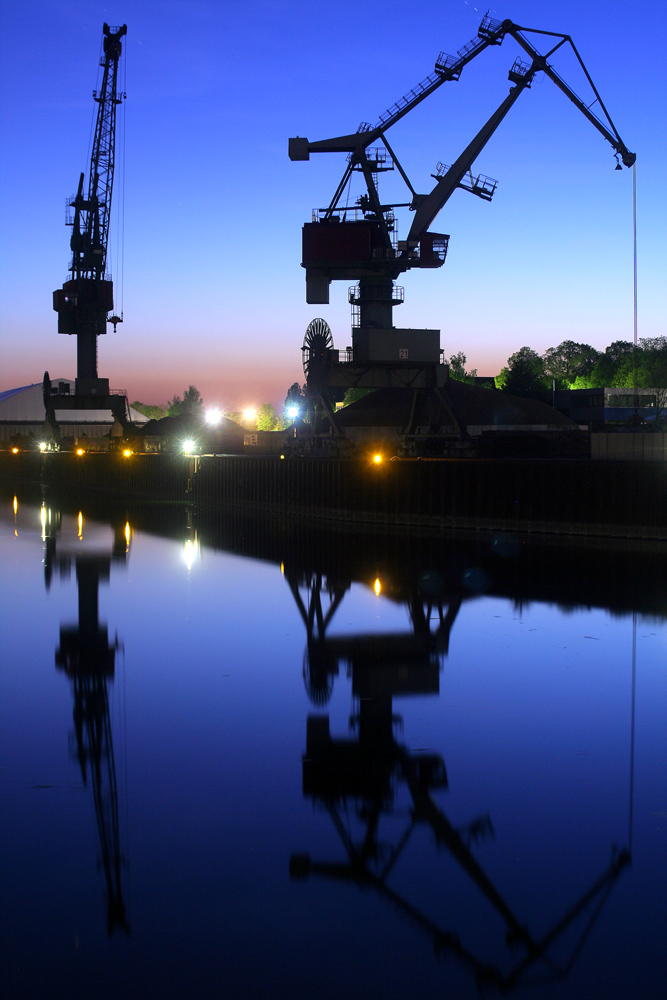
{"type": "Point", "coordinates": [604, 371]}
{"type": "Point", "coordinates": [618, 348]}
{"type": "Point", "coordinates": [266, 417]}
{"type": "Point", "coordinates": [174, 406]}
{"type": "Point", "coordinates": [149, 410]}
{"type": "Point", "coordinates": [525, 373]}
{"type": "Point", "coordinates": [570, 361]}
{"type": "Point", "coordinates": [352, 395]}
{"type": "Point", "coordinates": [457, 369]}
{"type": "Point", "coordinates": [658, 344]}
{"type": "Point", "coordinates": [296, 396]}
{"type": "Point", "coordinates": [190, 403]}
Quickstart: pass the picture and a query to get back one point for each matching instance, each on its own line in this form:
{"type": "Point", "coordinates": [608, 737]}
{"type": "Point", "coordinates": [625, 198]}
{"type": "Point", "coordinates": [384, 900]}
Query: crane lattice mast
{"type": "Point", "coordinates": [85, 299]}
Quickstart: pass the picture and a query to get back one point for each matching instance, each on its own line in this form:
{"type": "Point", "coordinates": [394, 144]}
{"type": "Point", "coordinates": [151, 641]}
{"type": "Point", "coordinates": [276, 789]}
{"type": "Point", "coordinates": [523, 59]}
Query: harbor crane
{"type": "Point", "coordinates": [87, 296]}
{"type": "Point", "coordinates": [360, 243]}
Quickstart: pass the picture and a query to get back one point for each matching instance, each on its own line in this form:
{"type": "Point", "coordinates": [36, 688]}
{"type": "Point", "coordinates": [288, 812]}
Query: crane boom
{"type": "Point", "coordinates": [491, 32]}
{"type": "Point", "coordinates": [366, 248]}
{"type": "Point", "coordinates": [608, 130]}
{"type": "Point", "coordinates": [91, 215]}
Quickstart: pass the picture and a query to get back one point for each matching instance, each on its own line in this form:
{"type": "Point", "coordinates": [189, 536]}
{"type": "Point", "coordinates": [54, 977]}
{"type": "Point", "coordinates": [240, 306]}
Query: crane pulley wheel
{"type": "Point", "coordinates": [317, 342]}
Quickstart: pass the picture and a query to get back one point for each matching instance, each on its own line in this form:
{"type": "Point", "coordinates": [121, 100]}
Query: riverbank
{"type": "Point", "coordinates": [567, 497]}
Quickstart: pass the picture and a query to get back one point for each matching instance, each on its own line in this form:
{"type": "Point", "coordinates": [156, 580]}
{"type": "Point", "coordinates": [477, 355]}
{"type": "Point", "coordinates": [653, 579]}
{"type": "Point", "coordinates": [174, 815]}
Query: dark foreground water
{"type": "Point", "coordinates": [244, 759]}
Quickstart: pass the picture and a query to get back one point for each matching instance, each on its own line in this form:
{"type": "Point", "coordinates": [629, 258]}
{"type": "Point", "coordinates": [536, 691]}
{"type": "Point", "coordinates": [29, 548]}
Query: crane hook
{"type": "Point", "coordinates": [618, 164]}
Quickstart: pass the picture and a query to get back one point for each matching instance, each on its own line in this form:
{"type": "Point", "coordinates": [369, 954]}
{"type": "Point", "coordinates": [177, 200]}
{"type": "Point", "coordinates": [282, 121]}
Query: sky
{"type": "Point", "coordinates": [211, 285]}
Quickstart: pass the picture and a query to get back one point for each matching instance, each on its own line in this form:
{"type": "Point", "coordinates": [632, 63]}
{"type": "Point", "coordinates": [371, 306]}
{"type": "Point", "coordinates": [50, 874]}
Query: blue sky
{"type": "Point", "coordinates": [213, 290]}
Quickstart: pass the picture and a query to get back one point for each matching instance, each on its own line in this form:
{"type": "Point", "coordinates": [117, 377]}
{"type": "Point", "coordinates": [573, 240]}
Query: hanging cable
{"type": "Point", "coordinates": [634, 239]}
{"type": "Point", "coordinates": [122, 193]}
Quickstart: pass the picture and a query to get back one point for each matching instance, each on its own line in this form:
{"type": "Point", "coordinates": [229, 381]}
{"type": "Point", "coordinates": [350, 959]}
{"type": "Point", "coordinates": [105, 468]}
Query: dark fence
{"type": "Point", "coordinates": [572, 497]}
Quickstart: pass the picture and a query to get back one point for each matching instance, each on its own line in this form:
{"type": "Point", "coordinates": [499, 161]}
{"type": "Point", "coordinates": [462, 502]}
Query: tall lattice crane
{"type": "Point", "coordinates": [87, 297]}
{"type": "Point", "coordinates": [360, 243]}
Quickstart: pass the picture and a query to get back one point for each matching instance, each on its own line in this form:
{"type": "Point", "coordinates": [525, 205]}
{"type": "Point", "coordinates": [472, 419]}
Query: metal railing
{"type": "Point", "coordinates": [408, 98]}
{"type": "Point", "coordinates": [376, 294]}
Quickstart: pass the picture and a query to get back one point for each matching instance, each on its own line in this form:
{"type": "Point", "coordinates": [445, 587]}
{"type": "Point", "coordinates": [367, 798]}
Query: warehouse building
{"type": "Point", "coordinates": [23, 416]}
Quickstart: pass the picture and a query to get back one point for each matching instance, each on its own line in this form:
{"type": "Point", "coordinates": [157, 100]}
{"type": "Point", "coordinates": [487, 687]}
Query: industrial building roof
{"type": "Point", "coordinates": [25, 404]}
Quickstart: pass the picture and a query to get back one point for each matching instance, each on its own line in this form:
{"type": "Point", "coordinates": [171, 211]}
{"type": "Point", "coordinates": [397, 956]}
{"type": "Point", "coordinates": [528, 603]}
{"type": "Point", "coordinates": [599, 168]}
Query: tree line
{"type": "Point", "coordinates": [579, 366]}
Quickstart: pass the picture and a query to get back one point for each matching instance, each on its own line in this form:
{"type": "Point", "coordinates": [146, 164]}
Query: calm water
{"type": "Point", "coordinates": [250, 760]}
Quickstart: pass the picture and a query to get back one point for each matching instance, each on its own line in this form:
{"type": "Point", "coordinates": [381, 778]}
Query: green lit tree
{"type": "Point", "coordinates": [352, 395]}
{"type": "Point", "coordinates": [457, 369]}
{"type": "Point", "coordinates": [266, 418]}
{"type": "Point", "coordinates": [149, 410]}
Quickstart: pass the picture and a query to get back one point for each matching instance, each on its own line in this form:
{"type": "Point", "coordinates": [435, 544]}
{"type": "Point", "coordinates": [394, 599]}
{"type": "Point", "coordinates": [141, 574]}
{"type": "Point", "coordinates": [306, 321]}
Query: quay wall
{"type": "Point", "coordinates": [615, 499]}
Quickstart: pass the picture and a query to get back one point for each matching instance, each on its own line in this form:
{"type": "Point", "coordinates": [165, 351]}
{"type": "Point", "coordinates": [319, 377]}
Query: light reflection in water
{"type": "Point", "coordinates": [191, 551]}
{"type": "Point", "coordinates": [357, 780]}
{"type": "Point", "coordinates": [381, 785]}
{"type": "Point", "coordinates": [87, 657]}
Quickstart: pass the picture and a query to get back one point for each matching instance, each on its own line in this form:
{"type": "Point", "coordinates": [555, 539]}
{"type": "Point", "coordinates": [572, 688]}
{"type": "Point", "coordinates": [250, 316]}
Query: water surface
{"type": "Point", "coordinates": [252, 759]}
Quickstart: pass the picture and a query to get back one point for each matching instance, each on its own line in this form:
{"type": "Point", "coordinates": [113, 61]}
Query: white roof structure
{"type": "Point", "coordinates": [22, 410]}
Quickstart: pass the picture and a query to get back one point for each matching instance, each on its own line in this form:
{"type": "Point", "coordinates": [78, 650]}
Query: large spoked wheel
{"type": "Point", "coordinates": [317, 343]}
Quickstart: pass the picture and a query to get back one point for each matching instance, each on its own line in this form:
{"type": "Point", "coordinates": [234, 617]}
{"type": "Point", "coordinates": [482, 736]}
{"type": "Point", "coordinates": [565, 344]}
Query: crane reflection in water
{"type": "Point", "coordinates": [356, 778]}
{"type": "Point", "coordinates": [88, 658]}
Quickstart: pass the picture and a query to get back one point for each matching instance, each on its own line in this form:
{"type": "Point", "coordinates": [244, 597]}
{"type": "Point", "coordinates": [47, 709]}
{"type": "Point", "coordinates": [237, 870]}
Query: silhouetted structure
{"type": "Point", "coordinates": [85, 299]}
{"type": "Point", "coordinates": [360, 243]}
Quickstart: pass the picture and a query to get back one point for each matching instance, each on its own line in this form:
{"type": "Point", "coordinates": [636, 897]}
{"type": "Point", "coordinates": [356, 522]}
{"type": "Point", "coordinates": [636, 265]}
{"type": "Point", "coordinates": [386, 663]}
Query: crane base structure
{"type": "Point", "coordinates": [360, 243]}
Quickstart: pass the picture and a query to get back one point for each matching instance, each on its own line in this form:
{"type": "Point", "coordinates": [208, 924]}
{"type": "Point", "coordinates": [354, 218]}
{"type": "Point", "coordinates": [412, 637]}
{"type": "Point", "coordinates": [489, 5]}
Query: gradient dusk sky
{"type": "Point", "coordinates": [213, 290]}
